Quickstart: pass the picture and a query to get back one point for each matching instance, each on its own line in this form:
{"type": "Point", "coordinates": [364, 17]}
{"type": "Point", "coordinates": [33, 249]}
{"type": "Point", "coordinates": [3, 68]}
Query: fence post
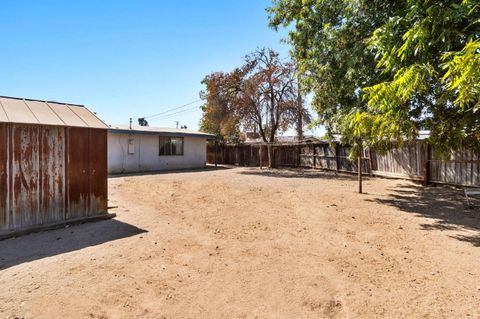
{"type": "Point", "coordinates": [370, 163]}
{"type": "Point", "coordinates": [216, 152]}
{"type": "Point", "coordinates": [299, 151]}
{"type": "Point", "coordinates": [237, 155]}
{"type": "Point", "coordinates": [274, 157]}
{"type": "Point", "coordinates": [336, 157]}
{"type": "Point", "coordinates": [426, 164]}
{"type": "Point", "coordinates": [314, 150]}
{"type": "Point", "coordinates": [251, 156]}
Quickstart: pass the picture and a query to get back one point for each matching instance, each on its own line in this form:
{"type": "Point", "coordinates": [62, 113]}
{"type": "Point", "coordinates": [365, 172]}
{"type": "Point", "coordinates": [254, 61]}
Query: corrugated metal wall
{"type": "Point", "coordinates": [87, 172]}
{"type": "Point", "coordinates": [4, 165]}
{"type": "Point", "coordinates": [39, 186]}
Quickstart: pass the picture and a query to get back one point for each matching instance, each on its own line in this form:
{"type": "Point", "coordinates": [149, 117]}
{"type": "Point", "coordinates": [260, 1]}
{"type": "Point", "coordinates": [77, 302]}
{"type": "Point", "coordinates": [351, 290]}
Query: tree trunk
{"type": "Point", "coordinates": [260, 155]}
{"type": "Point", "coordinates": [270, 155]}
{"type": "Point", "coordinates": [299, 113]}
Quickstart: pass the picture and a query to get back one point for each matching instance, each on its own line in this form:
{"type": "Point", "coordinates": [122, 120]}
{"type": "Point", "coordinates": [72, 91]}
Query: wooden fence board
{"type": "Point", "coordinates": [411, 161]}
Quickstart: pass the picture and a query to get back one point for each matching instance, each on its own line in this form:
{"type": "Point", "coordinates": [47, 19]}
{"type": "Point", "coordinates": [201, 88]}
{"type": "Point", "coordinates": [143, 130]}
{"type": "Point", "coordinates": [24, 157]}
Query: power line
{"type": "Point", "coordinates": [181, 112]}
{"type": "Point", "coordinates": [171, 109]}
{"type": "Point", "coordinates": [170, 115]}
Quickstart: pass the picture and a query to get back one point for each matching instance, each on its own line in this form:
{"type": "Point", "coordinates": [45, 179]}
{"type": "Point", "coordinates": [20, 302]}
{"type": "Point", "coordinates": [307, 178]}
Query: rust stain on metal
{"type": "Point", "coordinates": [78, 172]}
{"type": "Point", "coordinates": [52, 159]}
{"type": "Point", "coordinates": [98, 171]}
{"type": "Point", "coordinates": [25, 206]}
{"type": "Point", "coordinates": [50, 174]}
{"type": "Point", "coordinates": [3, 176]}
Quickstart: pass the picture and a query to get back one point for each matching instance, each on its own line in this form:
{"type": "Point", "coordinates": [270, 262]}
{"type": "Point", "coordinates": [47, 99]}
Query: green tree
{"type": "Point", "coordinates": [383, 70]}
{"type": "Point", "coordinates": [328, 42]}
{"type": "Point", "coordinates": [429, 51]}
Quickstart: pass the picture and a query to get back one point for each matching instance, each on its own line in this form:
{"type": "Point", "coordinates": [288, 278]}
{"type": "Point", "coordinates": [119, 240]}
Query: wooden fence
{"type": "Point", "coordinates": [415, 161]}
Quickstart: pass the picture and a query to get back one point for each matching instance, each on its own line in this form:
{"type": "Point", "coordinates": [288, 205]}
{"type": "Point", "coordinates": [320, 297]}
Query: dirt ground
{"type": "Point", "coordinates": [251, 243]}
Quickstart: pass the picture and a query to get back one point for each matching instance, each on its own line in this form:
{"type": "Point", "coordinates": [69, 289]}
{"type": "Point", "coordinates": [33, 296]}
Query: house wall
{"type": "Point", "coordinates": [50, 174]}
{"type": "Point", "coordinates": [146, 154]}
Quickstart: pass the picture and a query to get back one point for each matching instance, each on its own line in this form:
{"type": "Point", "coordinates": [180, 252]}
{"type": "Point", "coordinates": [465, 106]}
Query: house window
{"type": "Point", "coordinates": [171, 145]}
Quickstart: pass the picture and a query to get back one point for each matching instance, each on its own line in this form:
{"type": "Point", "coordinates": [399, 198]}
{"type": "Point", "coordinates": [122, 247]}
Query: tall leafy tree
{"type": "Point", "coordinates": [327, 40]}
{"type": "Point", "coordinates": [383, 70]}
{"type": "Point", "coordinates": [429, 51]}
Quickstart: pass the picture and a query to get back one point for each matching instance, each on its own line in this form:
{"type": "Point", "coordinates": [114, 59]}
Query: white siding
{"type": "Point", "coordinates": [146, 157]}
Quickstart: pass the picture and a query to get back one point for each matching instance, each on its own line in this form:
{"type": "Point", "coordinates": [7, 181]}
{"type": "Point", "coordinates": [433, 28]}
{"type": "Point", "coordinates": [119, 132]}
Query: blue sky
{"type": "Point", "coordinates": [127, 58]}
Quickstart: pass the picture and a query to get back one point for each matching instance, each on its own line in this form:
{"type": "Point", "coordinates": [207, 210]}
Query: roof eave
{"type": "Point", "coordinates": [158, 133]}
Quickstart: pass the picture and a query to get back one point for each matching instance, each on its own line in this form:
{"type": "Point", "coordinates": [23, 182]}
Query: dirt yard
{"type": "Point", "coordinates": [251, 243]}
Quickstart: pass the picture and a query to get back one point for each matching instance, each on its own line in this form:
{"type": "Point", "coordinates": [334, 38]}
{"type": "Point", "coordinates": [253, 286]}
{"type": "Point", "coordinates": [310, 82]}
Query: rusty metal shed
{"type": "Point", "coordinates": [53, 165]}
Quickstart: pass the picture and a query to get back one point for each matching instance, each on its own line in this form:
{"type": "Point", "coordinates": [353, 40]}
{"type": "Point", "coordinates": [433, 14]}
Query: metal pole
{"type": "Point", "coordinates": [360, 173]}
{"type": "Point", "coordinates": [426, 163]}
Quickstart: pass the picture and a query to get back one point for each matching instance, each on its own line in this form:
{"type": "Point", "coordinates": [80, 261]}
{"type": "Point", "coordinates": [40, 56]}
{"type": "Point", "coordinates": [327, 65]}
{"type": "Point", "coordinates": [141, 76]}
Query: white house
{"type": "Point", "coordinates": [143, 148]}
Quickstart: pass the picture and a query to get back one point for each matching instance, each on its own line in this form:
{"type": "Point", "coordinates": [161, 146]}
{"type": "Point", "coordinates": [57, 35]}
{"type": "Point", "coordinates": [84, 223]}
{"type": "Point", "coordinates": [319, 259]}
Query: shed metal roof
{"type": "Point", "coordinates": [160, 131]}
{"type": "Point", "coordinates": [29, 111]}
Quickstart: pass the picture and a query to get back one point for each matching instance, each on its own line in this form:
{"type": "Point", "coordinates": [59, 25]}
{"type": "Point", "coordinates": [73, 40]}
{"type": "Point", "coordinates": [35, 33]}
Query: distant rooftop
{"type": "Point", "coordinates": [254, 138]}
{"type": "Point", "coordinates": [30, 111]}
{"type": "Point", "coordinates": [422, 135]}
{"type": "Point", "coordinates": [125, 129]}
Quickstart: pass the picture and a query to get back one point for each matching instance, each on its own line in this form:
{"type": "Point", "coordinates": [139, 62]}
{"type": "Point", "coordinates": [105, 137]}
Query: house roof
{"type": "Point", "coordinates": [423, 135]}
{"type": "Point", "coordinates": [159, 131]}
{"type": "Point", "coordinates": [29, 111]}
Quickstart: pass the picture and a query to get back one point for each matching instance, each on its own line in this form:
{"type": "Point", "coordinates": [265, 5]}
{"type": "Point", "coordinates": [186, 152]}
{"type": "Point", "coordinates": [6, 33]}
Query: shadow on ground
{"type": "Point", "coordinates": [447, 206]}
{"type": "Point", "coordinates": [208, 168]}
{"type": "Point", "coordinates": [299, 173]}
{"type": "Point", "coordinates": [36, 246]}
